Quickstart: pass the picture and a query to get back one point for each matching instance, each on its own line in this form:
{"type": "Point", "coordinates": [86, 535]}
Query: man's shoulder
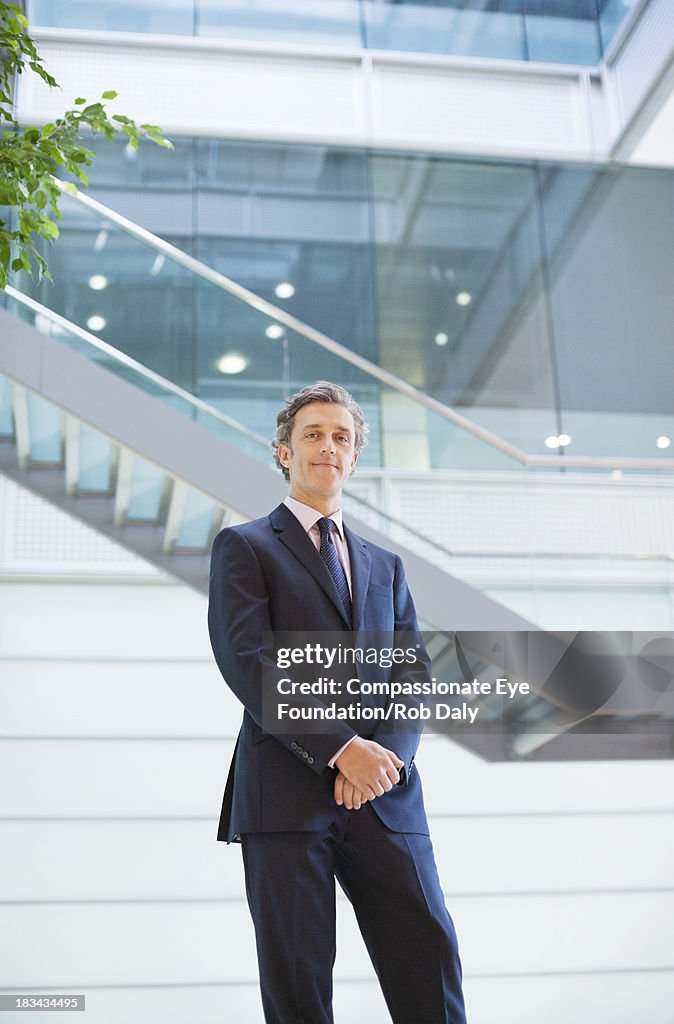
{"type": "Point", "coordinates": [251, 530]}
{"type": "Point", "coordinates": [255, 531]}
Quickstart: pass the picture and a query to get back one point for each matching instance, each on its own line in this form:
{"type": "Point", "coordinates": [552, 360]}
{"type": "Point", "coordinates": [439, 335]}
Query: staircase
{"type": "Point", "coordinates": [159, 472]}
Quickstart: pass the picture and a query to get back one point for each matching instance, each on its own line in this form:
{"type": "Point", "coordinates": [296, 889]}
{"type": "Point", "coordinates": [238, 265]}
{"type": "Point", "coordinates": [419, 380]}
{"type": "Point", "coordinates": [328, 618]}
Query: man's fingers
{"type": "Point", "coordinates": [353, 798]}
{"type": "Point", "coordinates": [339, 788]}
{"type": "Point", "coordinates": [369, 767]}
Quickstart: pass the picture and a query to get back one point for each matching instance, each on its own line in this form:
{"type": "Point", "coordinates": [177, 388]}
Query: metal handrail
{"type": "Point", "coordinates": [262, 305]}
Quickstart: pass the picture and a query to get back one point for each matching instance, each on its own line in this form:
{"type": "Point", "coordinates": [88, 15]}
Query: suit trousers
{"type": "Point", "coordinates": [392, 882]}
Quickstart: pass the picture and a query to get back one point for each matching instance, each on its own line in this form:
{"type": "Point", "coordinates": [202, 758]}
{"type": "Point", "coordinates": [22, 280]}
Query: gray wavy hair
{"type": "Point", "coordinates": [321, 391]}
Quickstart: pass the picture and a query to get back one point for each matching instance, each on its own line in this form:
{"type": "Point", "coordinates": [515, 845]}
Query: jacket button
{"type": "Point", "coordinates": [293, 745]}
{"type": "Point", "coordinates": [310, 760]}
{"type": "Point", "coordinates": [305, 754]}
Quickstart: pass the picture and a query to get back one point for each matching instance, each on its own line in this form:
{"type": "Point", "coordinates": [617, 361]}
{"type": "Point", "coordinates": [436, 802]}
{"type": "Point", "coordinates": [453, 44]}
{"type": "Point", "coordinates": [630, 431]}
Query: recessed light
{"type": "Point", "coordinates": [274, 331]}
{"type": "Point", "coordinates": [464, 299]}
{"type": "Point", "coordinates": [663, 441]}
{"type": "Point", "coordinates": [96, 322]}
{"type": "Point", "coordinates": [284, 290]}
{"type": "Point", "coordinates": [441, 338]}
{"type": "Point", "coordinates": [232, 362]}
{"type": "Point", "coordinates": [616, 474]}
{"type": "Point", "coordinates": [552, 441]}
{"type": "Point", "coordinates": [98, 282]}
{"type": "Point", "coordinates": [564, 440]}
{"type": "Point", "coordinates": [101, 239]}
{"type": "Point", "coordinates": [157, 264]}
{"type": "Point", "coordinates": [130, 152]}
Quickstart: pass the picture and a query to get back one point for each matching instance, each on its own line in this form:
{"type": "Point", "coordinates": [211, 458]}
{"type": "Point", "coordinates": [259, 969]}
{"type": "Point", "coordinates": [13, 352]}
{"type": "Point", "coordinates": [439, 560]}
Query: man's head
{"type": "Point", "coordinates": [319, 436]}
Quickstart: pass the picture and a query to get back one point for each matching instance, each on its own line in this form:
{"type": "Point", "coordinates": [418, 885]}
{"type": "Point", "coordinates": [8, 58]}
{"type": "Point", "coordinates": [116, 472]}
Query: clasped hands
{"type": "Point", "coordinates": [365, 770]}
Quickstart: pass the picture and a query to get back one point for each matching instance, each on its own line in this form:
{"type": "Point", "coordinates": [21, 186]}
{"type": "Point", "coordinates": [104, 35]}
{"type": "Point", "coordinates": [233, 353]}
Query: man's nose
{"type": "Point", "coordinates": [328, 445]}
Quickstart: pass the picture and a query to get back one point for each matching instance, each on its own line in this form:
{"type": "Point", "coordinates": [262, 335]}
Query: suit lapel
{"type": "Point", "coordinates": [361, 562]}
{"type": "Point", "coordinates": [291, 533]}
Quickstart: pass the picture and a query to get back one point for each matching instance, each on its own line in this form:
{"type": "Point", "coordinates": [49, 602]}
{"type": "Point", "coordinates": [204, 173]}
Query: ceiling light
{"type": "Point", "coordinates": [284, 290]}
{"type": "Point", "coordinates": [616, 474]}
{"type": "Point", "coordinates": [158, 263]}
{"type": "Point", "coordinates": [552, 441]}
{"type": "Point", "coordinates": [274, 331]}
{"type": "Point", "coordinates": [100, 240]}
{"type": "Point", "coordinates": [130, 152]}
{"type": "Point", "coordinates": [564, 440]}
{"type": "Point", "coordinates": [98, 282]}
{"type": "Point", "coordinates": [232, 362]}
{"type": "Point", "coordinates": [96, 322]}
{"type": "Point", "coordinates": [464, 299]}
{"type": "Point", "coordinates": [441, 338]}
{"type": "Point", "coordinates": [663, 441]}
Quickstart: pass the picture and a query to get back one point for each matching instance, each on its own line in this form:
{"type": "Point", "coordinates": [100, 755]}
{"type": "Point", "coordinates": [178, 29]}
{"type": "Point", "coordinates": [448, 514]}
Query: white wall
{"type": "Point", "coordinates": [228, 88]}
{"type": "Point", "coordinates": [116, 734]}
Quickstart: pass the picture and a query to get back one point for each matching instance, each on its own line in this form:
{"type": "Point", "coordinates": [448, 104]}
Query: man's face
{"type": "Point", "coordinates": [321, 455]}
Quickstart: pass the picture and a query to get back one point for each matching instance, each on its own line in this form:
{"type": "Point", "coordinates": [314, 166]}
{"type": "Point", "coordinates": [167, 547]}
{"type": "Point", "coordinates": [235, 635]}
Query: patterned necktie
{"type": "Point", "coordinates": [335, 568]}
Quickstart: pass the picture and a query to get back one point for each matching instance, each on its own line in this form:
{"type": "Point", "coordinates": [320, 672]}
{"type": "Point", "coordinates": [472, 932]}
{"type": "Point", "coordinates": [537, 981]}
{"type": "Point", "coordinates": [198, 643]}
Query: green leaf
{"type": "Point", "coordinates": [80, 101]}
{"type": "Point", "coordinates": [153, 128]}
{"type": "Point", "coordinates": [121, 118]}
{"type": "Point", "coordinates": [159, 141]}
{"type": "Point", "coordinates": [49, 229]}
{"type": "Point", "coordinates": [110, 94]}
{"type": "Point", "coordinates": [43, 73]}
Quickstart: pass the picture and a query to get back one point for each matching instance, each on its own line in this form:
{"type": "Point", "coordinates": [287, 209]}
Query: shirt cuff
{"type": "Point", "coordinates": [333, 759]}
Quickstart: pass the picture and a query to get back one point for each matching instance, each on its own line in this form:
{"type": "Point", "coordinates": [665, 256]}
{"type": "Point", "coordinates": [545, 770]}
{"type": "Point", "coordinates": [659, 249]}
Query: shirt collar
{"type": "Point", "coordinates": [309, 516]}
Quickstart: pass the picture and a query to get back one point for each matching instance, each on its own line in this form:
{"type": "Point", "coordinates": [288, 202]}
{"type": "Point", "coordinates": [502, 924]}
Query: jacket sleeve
{"type": "Point", "coordinates": [240, 628]}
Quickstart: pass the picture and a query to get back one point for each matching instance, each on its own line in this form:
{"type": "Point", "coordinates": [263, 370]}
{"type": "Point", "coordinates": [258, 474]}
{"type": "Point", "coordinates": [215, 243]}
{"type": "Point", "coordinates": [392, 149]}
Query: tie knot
{"type": "Point", "coordinates": [325, 525]}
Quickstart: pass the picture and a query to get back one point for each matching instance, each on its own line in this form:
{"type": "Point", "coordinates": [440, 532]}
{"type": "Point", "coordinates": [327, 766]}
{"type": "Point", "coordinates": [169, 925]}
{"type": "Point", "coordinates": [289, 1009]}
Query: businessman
{"type": "Point", "coordinates": [343, 802]}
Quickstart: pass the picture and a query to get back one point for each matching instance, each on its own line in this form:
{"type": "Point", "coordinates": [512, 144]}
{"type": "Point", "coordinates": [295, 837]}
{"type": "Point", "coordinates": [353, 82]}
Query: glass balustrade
{"type": "Point", "coordinates": [241, 361]}
{"type": "Point", "coordinates": [528, 297]}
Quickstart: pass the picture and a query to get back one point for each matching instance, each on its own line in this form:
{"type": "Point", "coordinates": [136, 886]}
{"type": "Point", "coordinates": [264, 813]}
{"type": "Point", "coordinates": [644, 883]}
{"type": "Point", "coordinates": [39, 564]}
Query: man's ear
{"type": "Point", "coordinates": [284, 455]}
{"type": "Point", "coordinates": [355, 460]}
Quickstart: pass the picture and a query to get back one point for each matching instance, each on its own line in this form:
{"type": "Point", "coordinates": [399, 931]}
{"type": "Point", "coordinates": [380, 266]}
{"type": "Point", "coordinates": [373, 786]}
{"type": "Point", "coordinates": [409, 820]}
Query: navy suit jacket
{"type": "Point", "coordinates": [268, 577]}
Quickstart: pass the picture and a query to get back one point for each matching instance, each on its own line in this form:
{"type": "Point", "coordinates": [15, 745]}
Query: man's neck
{"type": "Point", "coordinates": [326, 506]}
